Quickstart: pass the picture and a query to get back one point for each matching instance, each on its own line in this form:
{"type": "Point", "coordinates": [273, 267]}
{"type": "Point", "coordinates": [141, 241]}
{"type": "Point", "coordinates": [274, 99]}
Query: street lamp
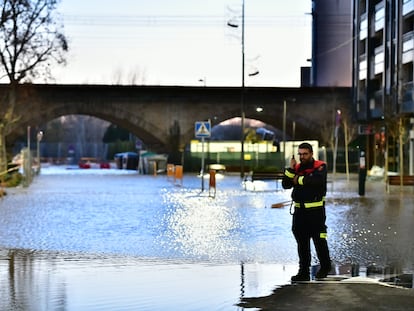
{"type": "Point", "coordinates": [284, 128]}
{"type": "Point", "coordinates": [203, 80]}
{"type": "Point", "coordinates": [235, 25]}
{"type": "Point", "coordinates": [39, 138]}
{"type": "Point", "coordinates": [284, 132]}
{"type": "Point", "coordinates": [337, 125]}
{"type": "Point", "coordinates": [242, 101]}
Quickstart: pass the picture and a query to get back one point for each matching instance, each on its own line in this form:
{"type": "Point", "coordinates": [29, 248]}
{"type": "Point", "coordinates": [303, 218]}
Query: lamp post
{"type": "Point", "coordinates": [337, 125]}
{"type": "Point", "coordinates": [284, 127]}
{"type": "Point", "coordinates": [242, 101]}
{"type": "Point", "coordinates": [284, 132]}
{"type": "Point", "coordinates": [231, 24]}
{"type": "Point", "coordinates": [203, 80]}
{"type": "Point", "coordinates": [39, 138]}
{"type": "Point", "coordinates": [27, 161]}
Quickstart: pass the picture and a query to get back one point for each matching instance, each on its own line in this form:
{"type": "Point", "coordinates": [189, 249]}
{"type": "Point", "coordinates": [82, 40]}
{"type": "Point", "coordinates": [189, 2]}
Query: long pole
{"type": "Point", "coordinates": [38, 155]}
{"type": "Point", "coordinates": [284, 133]}
{"type": "Point", "coordinates": [29, 157]}
{"type": "Point", "coordinates": [202, 164]}
{"type": "Point", "coordinates": [28, 138]}
{"type": "Point", "coordinates": [337, 124]}
{"type": "Point", "coordinates": [242, 101]}
{"type": "Point", "coordinates": [335, 151]}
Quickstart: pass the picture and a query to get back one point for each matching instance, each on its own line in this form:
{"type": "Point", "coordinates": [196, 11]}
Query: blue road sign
{"type": "Point", "coordinates": [202, 129]}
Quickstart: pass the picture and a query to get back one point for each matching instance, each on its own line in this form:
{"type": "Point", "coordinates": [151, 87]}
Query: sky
{"type": "Point", "coordinates": [185, 42]}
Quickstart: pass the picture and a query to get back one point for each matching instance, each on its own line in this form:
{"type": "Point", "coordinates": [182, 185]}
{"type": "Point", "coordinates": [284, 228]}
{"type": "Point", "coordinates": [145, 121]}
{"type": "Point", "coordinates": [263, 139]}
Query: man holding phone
{"type": "Point", "coordinates": [308, 180]}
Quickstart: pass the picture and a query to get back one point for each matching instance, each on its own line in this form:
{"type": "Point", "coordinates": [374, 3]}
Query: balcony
{"type": "Point", "coordinates": [408, 7]}
{"type": "Point", "coordinates": [362, 67]}
{"type": "Point", "coordinates": [361, 109]}
{"type": "Point", "coordinates": [379, 17]}
{"type": "Point", "coordinates": [408, 47]}
{"type": "Point", "coordinates": [408, 98]}
{"type": "Point", "coordinates": [379, 60]}
{"type": "Point", "coordinates": [363, 32]}
{"type": "Point", "coordinates": [376, 105]}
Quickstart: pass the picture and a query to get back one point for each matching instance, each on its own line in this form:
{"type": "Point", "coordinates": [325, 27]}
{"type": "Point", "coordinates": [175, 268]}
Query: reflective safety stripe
{"type": "Point", "coordinates": [289, 174]}
{"type": "Point", "coordinates": [310, 204]}
{"type": "Point", "coordinates": [323, 235]}
{"type": "Point", "coordinates": [300, 180]}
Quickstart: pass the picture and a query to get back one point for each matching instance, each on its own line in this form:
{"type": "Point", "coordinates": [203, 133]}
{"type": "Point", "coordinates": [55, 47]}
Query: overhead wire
{"type": "Point", "coordinates": [172, 21]}
{"type": "Point", "coordinates": [110, 28]}
{"type": "Point", "coordinates": [177, 20]}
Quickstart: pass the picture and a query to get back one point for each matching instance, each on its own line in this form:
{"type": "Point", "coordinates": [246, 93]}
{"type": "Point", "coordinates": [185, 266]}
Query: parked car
{"type": "Point", "coordinates": [84, 164]}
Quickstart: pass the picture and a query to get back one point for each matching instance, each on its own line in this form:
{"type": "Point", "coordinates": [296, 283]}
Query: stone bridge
{"type": "Point", "coordinates": [156, 113]}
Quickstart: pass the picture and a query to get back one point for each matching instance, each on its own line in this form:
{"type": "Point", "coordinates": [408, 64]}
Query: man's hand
{"type": "Point", "coordinates": [292, 163]}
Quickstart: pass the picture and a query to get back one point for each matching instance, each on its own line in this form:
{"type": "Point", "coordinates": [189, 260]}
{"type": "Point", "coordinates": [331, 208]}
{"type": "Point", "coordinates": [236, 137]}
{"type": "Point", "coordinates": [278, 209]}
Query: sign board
{"type": "Point", "coordinates": [366, 129]}
{"type": "Point", "coordinates": [202, 129]}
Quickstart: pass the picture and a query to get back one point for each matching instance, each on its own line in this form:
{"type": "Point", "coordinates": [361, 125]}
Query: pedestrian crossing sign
{"type": "Point", "coordinates": [202, 129]}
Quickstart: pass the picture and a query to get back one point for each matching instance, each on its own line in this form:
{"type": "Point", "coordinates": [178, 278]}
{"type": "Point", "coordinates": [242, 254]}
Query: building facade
{"type": "Point", "coordinates": [383, 53]}
{"type": "Point", "coordinates": [331, 62]}
{"type": "Point", "coordinates": [383, 57]}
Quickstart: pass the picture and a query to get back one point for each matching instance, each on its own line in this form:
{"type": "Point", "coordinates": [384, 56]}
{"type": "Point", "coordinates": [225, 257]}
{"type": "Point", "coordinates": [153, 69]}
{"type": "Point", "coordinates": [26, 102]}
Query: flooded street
{"type": "Point", "coordinates": [115, 240]}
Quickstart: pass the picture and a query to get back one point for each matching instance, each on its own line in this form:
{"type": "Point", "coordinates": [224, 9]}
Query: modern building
{"type": "Point", "coordinates": [382, 78]}
{"type": "Point", "coordinates": [331, 62]}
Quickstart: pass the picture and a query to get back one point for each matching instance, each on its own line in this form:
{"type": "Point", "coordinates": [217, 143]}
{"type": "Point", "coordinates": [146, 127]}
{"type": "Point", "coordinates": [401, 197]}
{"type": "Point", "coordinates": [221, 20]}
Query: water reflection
{"type": "Point", "coordinates": [105, 242]}
{"type": "Point", "coordinates": [33, 280]}
{"type": "Point", "coordinates": [23, 288]}
{"type": "Point", "coordinates": [372, 231]}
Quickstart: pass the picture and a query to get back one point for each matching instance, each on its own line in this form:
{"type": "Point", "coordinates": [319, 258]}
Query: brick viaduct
{"type": "Point", "coordinates": [151, 112]}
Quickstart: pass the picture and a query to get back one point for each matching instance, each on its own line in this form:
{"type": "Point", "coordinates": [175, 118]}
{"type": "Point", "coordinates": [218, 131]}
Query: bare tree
{"type": "Point", "coordinates": [350, 131]}
{"type": "Point", "coordinates": [30, 42]}
{"type": "Point", "coordinates": [327, 133]}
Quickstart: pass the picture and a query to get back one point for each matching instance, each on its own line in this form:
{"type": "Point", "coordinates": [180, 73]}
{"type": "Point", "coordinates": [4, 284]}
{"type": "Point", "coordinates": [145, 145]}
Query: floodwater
{"type": "Point", "coordinates": [116, 240]}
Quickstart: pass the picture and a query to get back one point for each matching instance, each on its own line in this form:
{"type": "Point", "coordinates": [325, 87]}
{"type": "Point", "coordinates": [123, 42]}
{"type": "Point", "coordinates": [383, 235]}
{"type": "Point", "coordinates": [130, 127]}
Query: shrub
{"type": "Point", "coordinates": [13, 179]}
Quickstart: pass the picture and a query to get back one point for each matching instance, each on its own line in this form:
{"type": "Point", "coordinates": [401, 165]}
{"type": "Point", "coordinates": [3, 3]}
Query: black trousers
{"type": "Point", "coordinates": [309, 223]}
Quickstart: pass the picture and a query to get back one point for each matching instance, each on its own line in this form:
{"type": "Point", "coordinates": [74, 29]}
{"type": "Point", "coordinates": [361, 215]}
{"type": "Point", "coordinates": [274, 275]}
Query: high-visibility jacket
{"type": "Point", "coordinates": [311, 188]}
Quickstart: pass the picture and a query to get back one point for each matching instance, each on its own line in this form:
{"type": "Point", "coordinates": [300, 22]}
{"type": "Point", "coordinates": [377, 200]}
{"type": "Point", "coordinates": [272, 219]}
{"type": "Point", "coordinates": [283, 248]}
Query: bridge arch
{"type": "Point", "coordinates": [153, 113]}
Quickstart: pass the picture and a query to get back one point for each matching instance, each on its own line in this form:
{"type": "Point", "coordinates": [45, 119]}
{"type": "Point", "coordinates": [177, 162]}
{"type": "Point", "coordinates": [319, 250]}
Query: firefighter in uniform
{"type": "Point", "coordinates": [308, 180]}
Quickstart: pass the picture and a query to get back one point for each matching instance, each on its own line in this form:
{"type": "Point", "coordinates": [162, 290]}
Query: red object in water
{"type": "Point", "coordinates": [84, 165]}
{"type": "Point", "coordinates": [105, 165]}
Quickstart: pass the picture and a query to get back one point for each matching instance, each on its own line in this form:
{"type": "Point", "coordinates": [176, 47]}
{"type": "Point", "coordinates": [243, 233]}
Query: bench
{"type": "Point", "coordinates": [266, 175]}
{"type": "Point", "coordinates": [217, 167]}
{"type": "Point", "coordinates": [257, 175]}
{"type": "Point", "coordinates": [407, 180]}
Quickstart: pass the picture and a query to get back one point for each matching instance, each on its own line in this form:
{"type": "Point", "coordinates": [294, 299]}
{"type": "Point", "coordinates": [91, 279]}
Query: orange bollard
{"type": "Point", "coordinates": [179, 173]}
{"type": "Point", "coordinates": [212, 183]}
{"type": "Point", "coordinates": [170, 170]}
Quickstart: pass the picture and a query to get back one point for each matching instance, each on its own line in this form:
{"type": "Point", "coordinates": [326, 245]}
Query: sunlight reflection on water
{"type": "Point", "coordinates": [104, 240]}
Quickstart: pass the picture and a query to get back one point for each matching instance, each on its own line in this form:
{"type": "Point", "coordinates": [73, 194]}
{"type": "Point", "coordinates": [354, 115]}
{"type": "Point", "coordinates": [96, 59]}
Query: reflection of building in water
{"type": "Point", "coordinates": [28, 283]}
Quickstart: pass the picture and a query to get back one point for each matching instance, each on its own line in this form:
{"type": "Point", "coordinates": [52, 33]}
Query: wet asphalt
{"type": "Point", "coordinates": [347, 292]}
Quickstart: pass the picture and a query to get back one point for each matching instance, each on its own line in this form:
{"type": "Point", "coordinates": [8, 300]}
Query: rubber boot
{"type": "Point", "coordinates": [323, 271]}
{"type": "Point", "coordinates": [302, 276]}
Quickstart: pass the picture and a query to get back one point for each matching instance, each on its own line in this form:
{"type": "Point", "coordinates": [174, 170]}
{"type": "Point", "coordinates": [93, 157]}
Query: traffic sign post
{"type": "Point", "coordinates": [202, 130]}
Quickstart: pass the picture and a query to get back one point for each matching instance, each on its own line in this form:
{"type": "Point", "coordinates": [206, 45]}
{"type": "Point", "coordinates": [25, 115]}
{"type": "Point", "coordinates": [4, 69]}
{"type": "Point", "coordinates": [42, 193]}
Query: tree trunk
{"type": "Point", "coordinates": [6, 123]}
{"type": "Point", "coordinates": [346, 149]}
{"type": "Point", "coordinates": [401, 151]}
{"type": "Point", "coordinates": [3, 152]}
